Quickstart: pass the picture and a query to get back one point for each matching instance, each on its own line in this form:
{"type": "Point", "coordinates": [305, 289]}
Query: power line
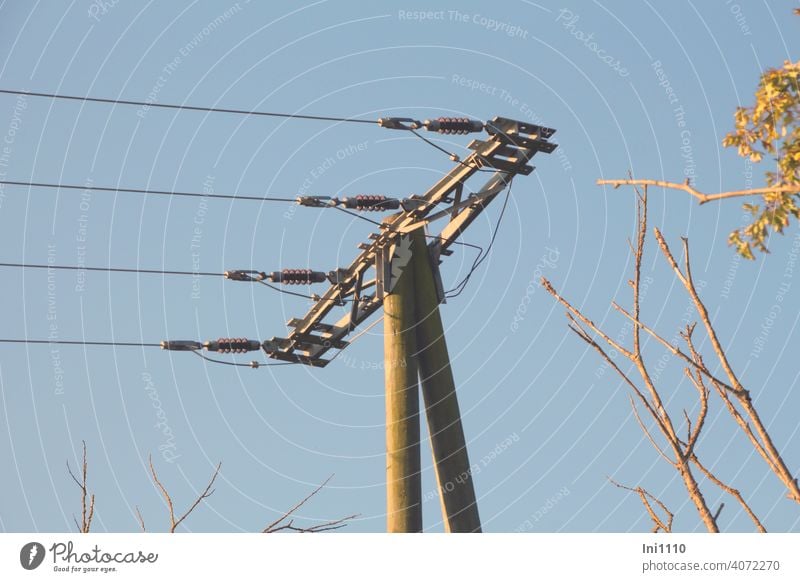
{"type": "Point", "coordinates": [254, 364]}
{"type": "Point", "coordinates": [458, 289]}
{"type": "Point", "coordinates": [375, 222]}
{"type": "Point", "coordinates": [188, 107]}
{"type": "Point", "coordinates": [147, 191]}
{"type": "Point", "coordinates": [302, 295]}
{"type": "Point", "coordinates": [155, 272]}
{"type": "Point", "coordinates": [110, 269]}
{"type": "Point", "coordinates": [454, 157]}
{"type": "Point", "coordinates": [451, 155]}
{"type": "Point", "coordinates": [81, 343]}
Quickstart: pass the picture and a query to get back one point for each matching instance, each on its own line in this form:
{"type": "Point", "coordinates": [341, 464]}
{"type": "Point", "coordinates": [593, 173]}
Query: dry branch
{"type": "Point", "coordinates": [140, 519]}
{"type": "Point", "coordinates": [87, 510]}
{"type": "Point", "coordinates": [173, 522]}
{"type": "Point", "coordinates": [731, 491]}
{"type": "Point", "coordinates": [701, 197]}
{"type": "Point", "coordinates": [278, 524]}
{"type": "Point", "coordinates": [732, 392]}
{"type": "Point", "coordinates": [761, 440]}
{"type": "Point", "coordinates": [646, 496]}
{"type": "Point", "coordinates": [684, 455]}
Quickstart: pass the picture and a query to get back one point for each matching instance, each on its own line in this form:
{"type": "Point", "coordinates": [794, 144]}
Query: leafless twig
{"type": "Point", "coordinates": [279, 525]}
{"type": "Point", "coordinates": [658, 522]}
{"type": "Point", "coordinates": [173, 522]}
{"type": "Point", "coordinates": [140, 519]}
{"type": "Point", "coordinates": [730, 491]}
{"type": "Point", "coordinates": [700, 196]}
{"type": "Point", "coordinates": [649, 395]}
{"type": "Point", "coordinates": [87, 510]}
{"type": "Point", "coordinates": [758, 434]}
{"type": "Point", "coordinates": [681, 452]}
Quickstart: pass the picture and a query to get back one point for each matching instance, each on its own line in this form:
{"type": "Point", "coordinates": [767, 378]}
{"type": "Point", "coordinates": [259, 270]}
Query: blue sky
{"type": "Point", "coordinates": [649, 88]}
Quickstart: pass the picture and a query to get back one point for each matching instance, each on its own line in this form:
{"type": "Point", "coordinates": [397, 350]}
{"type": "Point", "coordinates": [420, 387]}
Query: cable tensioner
{"type": "Point", "coordinates": [447, 125]}
{"type": "Point", "coordinates": [362, 202]}
{"type": "Point", "coordinates": [223, 345]}
{"type": "Point", "coordinates": [285, 276]}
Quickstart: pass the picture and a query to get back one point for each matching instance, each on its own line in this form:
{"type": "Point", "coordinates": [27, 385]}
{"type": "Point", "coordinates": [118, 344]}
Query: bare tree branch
{"type": "Point", "coordinates": [719, 511]}
{"type": "Point", "coordinates": [586, 321]}
{"type": "Point", "coordinates": [638, 253]}
{"type": "Point", "coordinates": [327, 526]}
{"type": "Point", "coordinates": [764, 444]}
{"type": "Point", "coordinates": [140, 519]}
{"type": "Point", "coordinates": [675, 350]}
{"type": "Point", "coordinates": [646, 496]}
{"type": "Point", "coordinates": [697, 381]}
{"type": "Point", "coordinates": [163, 489]}
{"type": "Point", "coordinates": [651, 399]}
{"type": "Point", "coordinates": [731, 491]}
{"type": "Point", "coordinates": [688, 283]}
{"type": "Point", "coordinates": [700, 196]}
{"type": "Point", "coordinates": [278, 524]}
{"type": "Point", "coordinates": [87, 510]}
{"type": "Point", "coordinates": [87, 505]}
{"type": "Point", "coordinates": [205, 494]}
{"type": "Point", "coordinates": [575, 327]}
{"type": "Point", "coordinates": [647, 432]}
{"type": "Point", "coordinates": [655, 397]}
{"type": "Point", "coordinates": [174, 523]}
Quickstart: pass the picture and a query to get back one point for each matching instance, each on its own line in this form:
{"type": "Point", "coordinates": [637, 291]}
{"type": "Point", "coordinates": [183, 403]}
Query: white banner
{"type": "Point", "coordinates": [371, 557]}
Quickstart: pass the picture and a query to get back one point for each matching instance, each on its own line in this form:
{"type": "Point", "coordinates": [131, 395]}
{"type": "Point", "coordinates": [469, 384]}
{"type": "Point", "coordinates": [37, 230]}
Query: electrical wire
{"type": "Point", "coordinates": [111, 269]}
{"type": "Point", "coordinates": [138, 345]}
{"type": "Point", "coordinates": [481, 257]}
{"type": "Point", "coordinates": [457, 159]}
{"type": "Point", "coordinates": [148, 191]}
{"type": "Point", "coordinates": [459, 288]}
{"type": "Point", "coordinates": [153, 271]}
{"type": "Point", "coordinates": [187, 107]}
{"type": "Point", "coordinates": [451, 155]}
{"type": "Point", "coordinates": [80, 343]}
{"type": "Point", "coordinates": [455, 292]}
{"type": "Point", "coordinates": [356, 215]}
{"type": "Point", "coordinates": [303, 295]}
{"type": "Point", "coordinates": [227, 363]}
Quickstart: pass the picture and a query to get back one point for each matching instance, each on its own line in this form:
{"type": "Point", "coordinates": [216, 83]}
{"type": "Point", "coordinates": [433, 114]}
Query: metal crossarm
{"type": "Point", "coordinates": [510, 146]}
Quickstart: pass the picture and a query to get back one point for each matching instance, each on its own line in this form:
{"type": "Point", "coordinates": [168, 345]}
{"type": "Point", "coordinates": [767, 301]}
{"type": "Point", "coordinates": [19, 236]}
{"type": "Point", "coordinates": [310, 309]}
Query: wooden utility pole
{"type": "Point", "coordinates": [453, 474]}
{"type": "Point", "coordinates": [406, 284]}
{"type": "Point", "coordinates": [403, 479]}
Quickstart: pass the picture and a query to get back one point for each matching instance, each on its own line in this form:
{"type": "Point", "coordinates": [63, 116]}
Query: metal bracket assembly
{"type": "Point", "coordinates": [507, 152]}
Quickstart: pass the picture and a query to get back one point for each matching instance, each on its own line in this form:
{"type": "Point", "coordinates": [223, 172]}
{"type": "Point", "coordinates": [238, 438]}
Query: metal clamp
{"type": "Point", "coordinates": [399, 123]}
{"type": "Point", "coordinates": [240, 275]}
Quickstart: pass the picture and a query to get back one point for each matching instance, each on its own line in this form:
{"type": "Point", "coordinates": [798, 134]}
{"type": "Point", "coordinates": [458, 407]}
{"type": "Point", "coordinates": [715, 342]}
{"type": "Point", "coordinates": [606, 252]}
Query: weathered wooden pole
{"type": "Point", "coordinates": [403, 479]}
{"type": "Point", "coordinates": [453, 474]}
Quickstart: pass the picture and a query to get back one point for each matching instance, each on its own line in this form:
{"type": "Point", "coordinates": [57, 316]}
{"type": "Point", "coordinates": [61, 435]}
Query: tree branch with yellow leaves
{"type": "Point", "coordinates": [770, 127]}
